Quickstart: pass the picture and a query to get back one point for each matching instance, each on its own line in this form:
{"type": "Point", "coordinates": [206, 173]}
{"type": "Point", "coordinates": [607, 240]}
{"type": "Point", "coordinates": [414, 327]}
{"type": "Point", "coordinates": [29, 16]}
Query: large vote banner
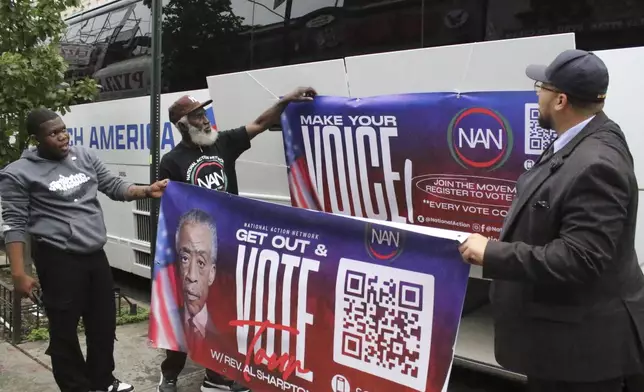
{"type": "Point", "coordinates": [444, 160]}
{"type": "Point", "coordinates": [287, 299]}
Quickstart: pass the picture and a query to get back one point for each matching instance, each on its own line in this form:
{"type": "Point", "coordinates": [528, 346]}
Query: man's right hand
{"type": "Point", "coordinates": [25, 284]}
{"type": "Point", "coordinates": [300, 94]}
{"type": "Point", "coordinates": [22, 283]}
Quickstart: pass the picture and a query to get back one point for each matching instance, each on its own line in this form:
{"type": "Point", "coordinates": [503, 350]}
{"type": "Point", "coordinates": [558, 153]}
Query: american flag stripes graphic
{"type": "Point", "coordinates": [166, 328]}
{"type": "Point", "coordinates": [303, 194]}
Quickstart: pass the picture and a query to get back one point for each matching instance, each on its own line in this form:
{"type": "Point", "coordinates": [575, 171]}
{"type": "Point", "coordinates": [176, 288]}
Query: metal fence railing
{"type": "Point", "coordinates": [19, 316]}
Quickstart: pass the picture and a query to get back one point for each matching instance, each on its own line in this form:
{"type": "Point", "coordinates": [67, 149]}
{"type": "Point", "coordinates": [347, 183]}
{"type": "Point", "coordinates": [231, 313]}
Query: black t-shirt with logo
{"type": "Point", "coordinates": [211, 167]}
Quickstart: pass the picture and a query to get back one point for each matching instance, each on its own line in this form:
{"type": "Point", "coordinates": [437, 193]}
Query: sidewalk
{"type": "Point", "coordinates": [28, 368]}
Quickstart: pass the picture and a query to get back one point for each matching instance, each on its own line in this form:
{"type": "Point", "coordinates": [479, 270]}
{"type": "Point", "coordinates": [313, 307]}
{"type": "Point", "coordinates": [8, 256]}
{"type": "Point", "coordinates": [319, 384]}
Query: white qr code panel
{"type": "Point", "coordinates": [383, 321]}
{"type": "Point", "coordinates": [537, 139]}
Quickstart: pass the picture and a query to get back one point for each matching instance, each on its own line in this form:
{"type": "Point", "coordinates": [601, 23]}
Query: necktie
{"type": "Point", "coordinates": [194, 334]}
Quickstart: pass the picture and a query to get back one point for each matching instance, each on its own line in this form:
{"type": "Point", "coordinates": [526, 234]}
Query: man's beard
{"type": "Point", "coordinates": [201, 138]}
{"type": "Point", "coordinates": [545, 122]}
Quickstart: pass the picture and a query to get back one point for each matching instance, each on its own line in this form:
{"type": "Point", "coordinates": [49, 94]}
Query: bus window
{"type": "Point", "coordinates": [357, 27]}
{"type": "Point", "coordinates": [238, 35]}
{"type": "Point", "coordinates": [112, 45]}
{"type": "Point", "coordinates": [139, 24]}
{"type": "Point", "coordinates": [204, 38]}
{"type": "Point", "coordinates": [597, 24]}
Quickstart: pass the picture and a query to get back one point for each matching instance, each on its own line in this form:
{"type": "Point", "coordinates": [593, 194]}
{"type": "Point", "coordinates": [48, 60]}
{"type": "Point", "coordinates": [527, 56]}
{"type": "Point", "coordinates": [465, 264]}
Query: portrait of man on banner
{"type": "Point", "coordinates": [184, 309]}
{"type": "Point", "coordinates": [196, 252]}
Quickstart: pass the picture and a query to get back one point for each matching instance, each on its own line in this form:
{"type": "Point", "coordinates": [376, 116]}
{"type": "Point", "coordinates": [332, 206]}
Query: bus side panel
{"type": "Point", "coordinates": [119, 130]}
{"type": "Point", "coordinates": [623, 102]}
{"type": "Point", "coordinates": [623, 105]}
{"type": "Point", "coordinates": [483, 66]}
{"type": "Point", "coordinates": [240, 97]}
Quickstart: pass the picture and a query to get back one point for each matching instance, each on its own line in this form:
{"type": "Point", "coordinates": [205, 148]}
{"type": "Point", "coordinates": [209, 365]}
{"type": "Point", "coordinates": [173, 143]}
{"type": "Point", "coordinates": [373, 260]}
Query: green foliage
{"type": "Point", "coordinates": [142, 314]}
{"type": "Point", "coordinates": [37, 334]}
{"type": "Point", "coordinates": [32, 70]}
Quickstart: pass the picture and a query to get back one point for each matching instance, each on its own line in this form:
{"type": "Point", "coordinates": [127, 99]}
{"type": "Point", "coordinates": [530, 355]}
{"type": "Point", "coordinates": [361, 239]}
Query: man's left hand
{"type": "Point", "coordinates": [300, 94]}
{"type": "Point", "coordinates": [156, 190]}
{"type": "Point", "coordinates": [473, 249]}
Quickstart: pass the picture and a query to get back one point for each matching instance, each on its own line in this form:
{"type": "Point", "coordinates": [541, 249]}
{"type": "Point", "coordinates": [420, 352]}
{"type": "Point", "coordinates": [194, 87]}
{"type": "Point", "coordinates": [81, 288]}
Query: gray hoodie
{"type": "Point", "coordinates": [56, 201]}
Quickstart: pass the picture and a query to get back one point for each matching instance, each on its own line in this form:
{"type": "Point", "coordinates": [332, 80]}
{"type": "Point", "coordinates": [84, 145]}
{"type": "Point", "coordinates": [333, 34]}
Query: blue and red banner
{"type": "Point", "coordinates": [288, 299]}
{"type": "Point", "coordinates": [444, 160]}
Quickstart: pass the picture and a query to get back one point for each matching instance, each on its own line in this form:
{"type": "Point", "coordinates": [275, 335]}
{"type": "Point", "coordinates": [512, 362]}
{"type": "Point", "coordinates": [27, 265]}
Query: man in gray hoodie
{"type": "Point", "coordinates": [50, 193]}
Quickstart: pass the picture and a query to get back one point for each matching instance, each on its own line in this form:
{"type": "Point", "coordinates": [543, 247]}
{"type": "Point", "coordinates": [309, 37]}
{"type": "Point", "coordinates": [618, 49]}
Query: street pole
{"type": "Point", "coordinates": [155, 119]}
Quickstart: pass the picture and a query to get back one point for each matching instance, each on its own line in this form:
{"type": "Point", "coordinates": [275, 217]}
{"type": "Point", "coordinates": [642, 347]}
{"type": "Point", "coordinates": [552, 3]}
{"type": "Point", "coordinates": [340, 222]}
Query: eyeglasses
{"type": "Point", "coordinates": [538, 86]}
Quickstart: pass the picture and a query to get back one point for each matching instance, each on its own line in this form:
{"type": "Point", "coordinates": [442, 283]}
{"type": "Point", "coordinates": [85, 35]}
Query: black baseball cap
{"type": "Point", "coordinates": [575, 72]}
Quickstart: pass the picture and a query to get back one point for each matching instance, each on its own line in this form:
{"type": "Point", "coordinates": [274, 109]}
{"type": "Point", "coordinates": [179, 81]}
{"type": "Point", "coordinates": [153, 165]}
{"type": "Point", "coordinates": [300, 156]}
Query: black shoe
{"type": "Point", "coordinates": [167, 385]}
{"type": "Point", "coordinates": [222, 384]}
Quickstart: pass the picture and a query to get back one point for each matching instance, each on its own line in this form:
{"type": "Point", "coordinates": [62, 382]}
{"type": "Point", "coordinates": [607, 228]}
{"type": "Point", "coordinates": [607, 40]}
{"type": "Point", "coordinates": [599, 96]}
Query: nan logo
{"type": "Point", "coordinates": [480, 138]}
{"type": "Point", "coordinates": [208, 172]}
{"type": "Point", "coordinates": [384, 243]}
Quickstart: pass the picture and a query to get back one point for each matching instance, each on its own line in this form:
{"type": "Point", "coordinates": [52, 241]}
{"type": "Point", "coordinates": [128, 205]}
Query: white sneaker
{"type": "Point", "coordinates": [118, 386]}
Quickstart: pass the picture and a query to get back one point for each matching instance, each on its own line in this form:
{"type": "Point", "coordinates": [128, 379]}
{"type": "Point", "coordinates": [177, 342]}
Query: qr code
{"type": "Point", "coordinates": [383, 321]}
{"type": "Point", "coordinates": [537, 139]}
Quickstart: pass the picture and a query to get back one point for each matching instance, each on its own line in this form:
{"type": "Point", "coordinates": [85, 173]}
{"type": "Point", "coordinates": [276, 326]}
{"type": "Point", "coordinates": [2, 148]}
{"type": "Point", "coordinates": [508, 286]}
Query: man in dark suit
{"type": "Point", "coordinates": [567, 290]}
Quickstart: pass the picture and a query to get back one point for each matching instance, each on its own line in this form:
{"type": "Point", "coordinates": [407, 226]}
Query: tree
{"type": "Point", "coordinates": [199, 39]}
{"type": "Point", "coordinates": [32, 69]}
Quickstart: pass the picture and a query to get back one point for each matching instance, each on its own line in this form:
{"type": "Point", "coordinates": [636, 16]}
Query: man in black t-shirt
{"type": "Point", "coordinates": [204, 157]}
{"type": "Point", "coordinates": [207, 158]}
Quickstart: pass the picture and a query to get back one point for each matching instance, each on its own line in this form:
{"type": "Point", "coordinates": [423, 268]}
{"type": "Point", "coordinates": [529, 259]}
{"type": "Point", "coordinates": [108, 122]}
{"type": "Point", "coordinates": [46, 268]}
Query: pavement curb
{"type": "Point", "coordinates": [28, 355]}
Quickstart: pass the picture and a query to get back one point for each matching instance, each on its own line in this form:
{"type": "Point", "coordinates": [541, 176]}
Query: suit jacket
{"type": "Point", "coordinates": [213, 339]}
{"type": "Point", "coordinates": [567, 291]}
{"type": "Point", "coordinates": [210, 334]}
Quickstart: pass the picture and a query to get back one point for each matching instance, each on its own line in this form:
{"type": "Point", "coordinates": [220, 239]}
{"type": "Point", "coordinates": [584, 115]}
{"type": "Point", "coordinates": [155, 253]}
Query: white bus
{"type": "Point", "coordinates": [112, 43]}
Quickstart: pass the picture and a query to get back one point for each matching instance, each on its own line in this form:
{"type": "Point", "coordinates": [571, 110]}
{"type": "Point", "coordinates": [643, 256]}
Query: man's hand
{"type": "Point", "coordinates": [473, 249]}
{"type": "Point", "coordinates": [300, 94]}
{"type": "Point", "coordinates": [272, 115]}
{"type": "Point", "coordinates": [156, 190]}
{"type": "Point", "coordinates": [25, 284]}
